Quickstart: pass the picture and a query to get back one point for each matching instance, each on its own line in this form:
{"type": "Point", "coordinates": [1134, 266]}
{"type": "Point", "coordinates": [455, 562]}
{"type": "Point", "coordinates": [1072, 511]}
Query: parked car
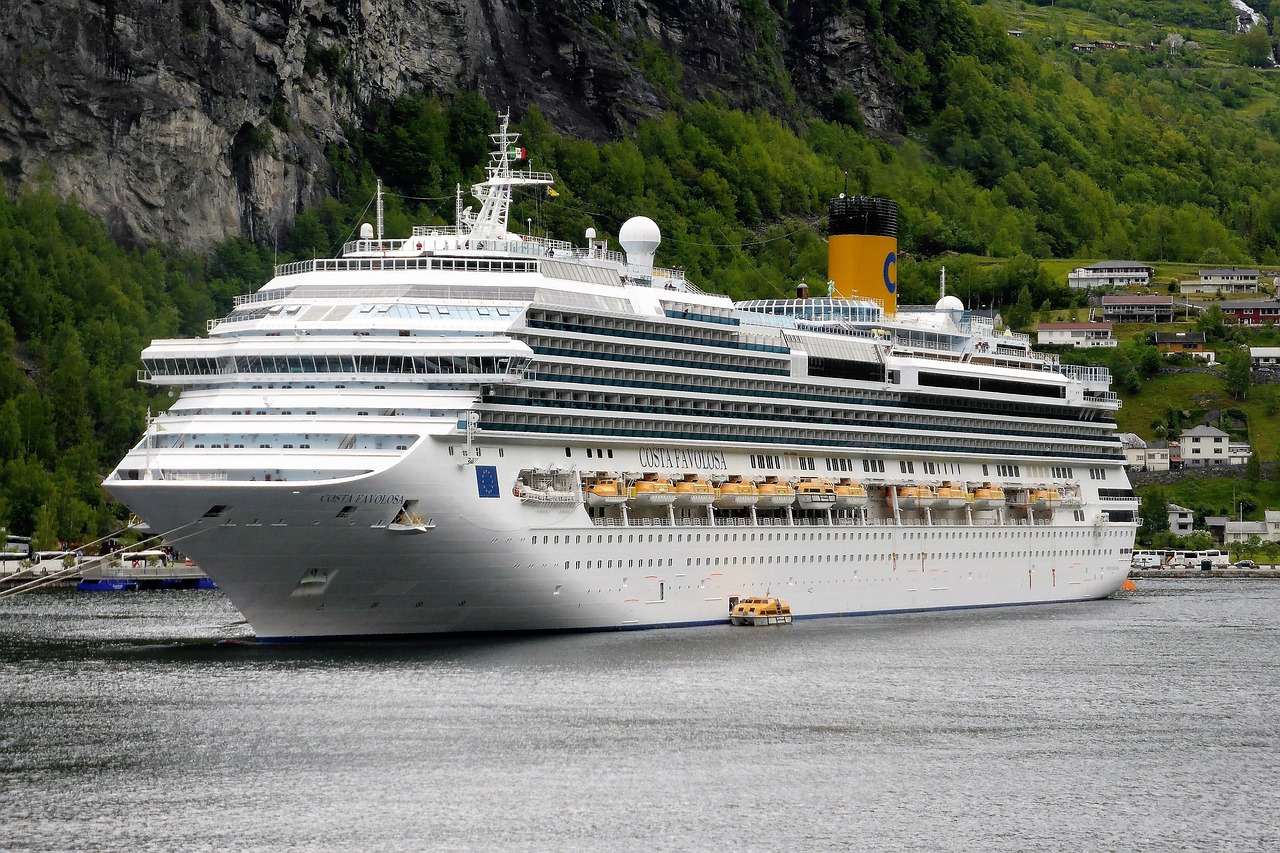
{"type": "Point", "coordinates": [1245, 564]}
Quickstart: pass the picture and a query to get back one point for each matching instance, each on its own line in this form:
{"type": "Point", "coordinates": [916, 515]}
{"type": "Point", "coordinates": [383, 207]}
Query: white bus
{"type": "Point", "coordinates": [1211, 559]}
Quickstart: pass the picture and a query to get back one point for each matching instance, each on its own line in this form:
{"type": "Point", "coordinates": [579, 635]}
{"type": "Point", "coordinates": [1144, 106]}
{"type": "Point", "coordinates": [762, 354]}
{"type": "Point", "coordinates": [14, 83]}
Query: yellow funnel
{"type": "Point", "coordinates": [862, 253]}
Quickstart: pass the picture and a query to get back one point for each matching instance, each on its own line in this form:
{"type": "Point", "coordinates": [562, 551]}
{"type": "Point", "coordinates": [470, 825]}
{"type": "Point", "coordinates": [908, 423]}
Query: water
{"type": "Point", "coordinates": [1142, 722]}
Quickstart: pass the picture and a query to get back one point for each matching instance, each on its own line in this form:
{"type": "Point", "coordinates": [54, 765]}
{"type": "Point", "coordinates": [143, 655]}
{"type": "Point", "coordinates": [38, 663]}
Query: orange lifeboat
{"type": "Point", "coordinates": [736, 493]}
{"type": "Point", "coordinates": [1044, 501]}
{"type": "Point", "coordinates": [915, 497]}
{"type": "Point", "coordinates": [606, 491]}
{"type": "Point", "coordinates": [951, 496]}
{"type": "Point", "coordinates": [692, 490]}
{"type": "Point", "coordinates": [850, 495]}
{"type": "Point", "coordinates": [761, 611]}
{"type": "Point", "coordinates": [652, 491]}
{"type": "Point", "coordinates": [815, 493]}
{"type": "Point", "coordinates": [988, 497]}
{"type": "Point", "coordinates": [774, 493]}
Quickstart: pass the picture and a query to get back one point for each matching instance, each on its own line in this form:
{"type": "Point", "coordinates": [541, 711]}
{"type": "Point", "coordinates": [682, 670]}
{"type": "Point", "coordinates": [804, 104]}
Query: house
{"type": "Point", "coordinates": [1191, 343]}
{"type": "Point", "coordinates": [1238, 452]}
{"type": "Point", "coordinates": [1252, 312]}
{"type": "Point", "coordinates": [1264, 358]}
{"type": "Point", "coordinates": [1223, 281]}
{"type": "Point", "coordinates": [1158, 457]}
{"type": "Point", "coordinates": [1216, 525]}
{"type": "Point", "coordinates": [1204, 446]}
{"type": "Point", "coordinates": [1267, 530]}
{"type": "Point", "coordinates": [1241, 531]}
{"type": "Point", "coordinates": [1135, 450]}
{"type": "Point", "coordinates": [1111, 274]}
{"type": "Point", "coordinates": [1129, 308]}
{"type": "Point", "coordinates": [1080, 335]}
{"type": "Point", "coordinates": [1181, 520]}
{"type": "Point", "coordinates": [1142, 455]}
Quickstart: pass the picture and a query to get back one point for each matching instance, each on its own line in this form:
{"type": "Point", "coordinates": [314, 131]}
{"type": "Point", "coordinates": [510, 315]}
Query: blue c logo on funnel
{"type": "Point", "coordinates": [891, 272]}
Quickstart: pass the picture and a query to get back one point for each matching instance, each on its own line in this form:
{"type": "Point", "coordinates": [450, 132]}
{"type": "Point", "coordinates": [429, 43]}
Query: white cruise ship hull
{"type": "Point", "coordinates": [485, 564]}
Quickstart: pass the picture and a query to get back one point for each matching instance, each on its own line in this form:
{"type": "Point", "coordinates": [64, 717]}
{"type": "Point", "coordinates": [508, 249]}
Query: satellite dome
{"type": "Point", "coordinates": [640, 234]}
{"type": "Point", "coordinates": [949, 303]}
{"type": "Point", "coordinates": [639, 238]}
{"type": "Point", "coordinates": [366, 231]}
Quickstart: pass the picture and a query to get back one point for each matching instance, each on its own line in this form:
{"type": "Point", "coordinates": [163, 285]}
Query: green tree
{"type": "Point", "coordinates": [1019, 316]}
{"type": "Point", "coordinates": [1155, 515]}
{"type": "Point", "coordinates": [1253, 468]}
{"type": "Point", "coordinates": [1212, 322]}
{"type": "Point", "coordinates": [1238, 373]}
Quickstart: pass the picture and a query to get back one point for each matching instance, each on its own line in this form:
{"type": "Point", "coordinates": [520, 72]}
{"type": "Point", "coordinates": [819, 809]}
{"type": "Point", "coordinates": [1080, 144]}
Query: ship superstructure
{"type": "Point", "coordinates": [472, 429]}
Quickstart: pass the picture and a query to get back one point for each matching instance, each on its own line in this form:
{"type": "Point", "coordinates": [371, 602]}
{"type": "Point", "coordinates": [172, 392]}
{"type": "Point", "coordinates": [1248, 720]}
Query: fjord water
{"type": "Point", "coordinates": [1147, 721]}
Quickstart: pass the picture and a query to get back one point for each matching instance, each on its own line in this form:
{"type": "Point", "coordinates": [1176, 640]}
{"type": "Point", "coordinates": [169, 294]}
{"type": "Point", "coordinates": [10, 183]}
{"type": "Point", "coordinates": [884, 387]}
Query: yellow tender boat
{"type": "Point", "coordinates": [760, 611]}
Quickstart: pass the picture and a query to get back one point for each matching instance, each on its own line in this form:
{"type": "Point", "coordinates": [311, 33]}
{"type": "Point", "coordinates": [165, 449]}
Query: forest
{"type": "Point", "coordinates": [1018, 149]}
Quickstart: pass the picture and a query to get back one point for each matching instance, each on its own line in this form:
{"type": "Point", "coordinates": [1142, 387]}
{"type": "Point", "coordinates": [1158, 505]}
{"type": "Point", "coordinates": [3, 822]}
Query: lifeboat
{"type": "Point", "coordinates": [736, 494]}
{"type": "Point", "coordinates": [915, 497]}
{"type": "Point", "coordinates": [1044, 501]}
{"type": "Point", "coordinates": [815, 493]}
{"type": "Point", "coordinates": [774, 493]}
{"type": "Point", "coordinates": [652, 491]}
{"type": "Point", "coordinates": [692, 490]}
{"type": "Point", "coordinates": [760, 611]}
{"type": "Point", "coordinates": [951, 497]}
{"type": "Point", "coordinates": [988, 497]}
{"type": "Point", "coordinates": [606, 491]}
{"type": "Point", "coordinates": [850, 495]}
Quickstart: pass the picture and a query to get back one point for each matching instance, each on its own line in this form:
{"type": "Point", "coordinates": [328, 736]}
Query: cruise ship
{"type": "Point", "coordinates": [470, 429]}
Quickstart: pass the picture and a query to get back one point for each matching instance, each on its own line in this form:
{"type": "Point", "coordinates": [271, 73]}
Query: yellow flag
{"type": "Point", "coordinates": [551, 192]}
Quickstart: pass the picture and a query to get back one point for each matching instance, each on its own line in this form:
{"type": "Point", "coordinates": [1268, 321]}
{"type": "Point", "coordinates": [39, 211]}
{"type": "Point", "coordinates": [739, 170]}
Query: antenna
{"type": "Point", "coordinates": [379, 209]}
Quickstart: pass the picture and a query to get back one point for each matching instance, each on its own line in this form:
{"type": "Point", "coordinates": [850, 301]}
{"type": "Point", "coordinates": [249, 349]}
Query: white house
{"type": "Point", "coordinates": [1080, 335]}
{"type": "Point", "coordinates": [1111, 274]}
{"type": "Point", "coordinates": [1222, 280]}
{"type": "Point", "coordinates": [1181, 520]}
{"type": "Point", "coordinates": [1264, 358]}
{"type": "Point", "coordinates": [1204, 446]}
{"type": "Point", "coordinates": [1240, 531]}
{"type": "Point", "coordinates": [1157, 456]}
{"type": "Point", "coordinates": [1142, 455]}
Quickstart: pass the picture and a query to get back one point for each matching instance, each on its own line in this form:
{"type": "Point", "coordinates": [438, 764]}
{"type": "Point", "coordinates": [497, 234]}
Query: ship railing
{"type": "Point", "coordinates": [1086, 373]}
{"type": "Point", "coordinates": [210, 476]}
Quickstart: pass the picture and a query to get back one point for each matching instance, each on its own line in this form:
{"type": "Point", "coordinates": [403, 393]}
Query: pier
{"type": "Point", "coordinates": [1262, 572]}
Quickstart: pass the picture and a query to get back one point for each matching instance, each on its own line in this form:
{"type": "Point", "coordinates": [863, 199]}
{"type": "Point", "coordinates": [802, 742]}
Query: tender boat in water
{"type": "Point", "coordinates": [761, 611]}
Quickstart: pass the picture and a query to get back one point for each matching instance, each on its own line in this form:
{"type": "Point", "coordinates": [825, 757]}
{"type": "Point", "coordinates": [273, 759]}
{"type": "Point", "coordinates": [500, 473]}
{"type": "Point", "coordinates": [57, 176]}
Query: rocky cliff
{"type": "Point", "coordinates": [197, 120]}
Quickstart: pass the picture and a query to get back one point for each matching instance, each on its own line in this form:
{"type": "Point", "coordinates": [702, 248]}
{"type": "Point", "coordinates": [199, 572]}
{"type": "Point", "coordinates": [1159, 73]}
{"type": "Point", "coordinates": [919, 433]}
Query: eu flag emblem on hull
{"type": "Point", "coordinates": [487, 481]}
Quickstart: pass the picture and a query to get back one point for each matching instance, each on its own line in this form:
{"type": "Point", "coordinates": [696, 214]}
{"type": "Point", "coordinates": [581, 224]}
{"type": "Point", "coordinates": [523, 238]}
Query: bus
{"type": "Point", "coordinates": [16, 549]}
{"type": "Point", "coordinates": [1206, 560]}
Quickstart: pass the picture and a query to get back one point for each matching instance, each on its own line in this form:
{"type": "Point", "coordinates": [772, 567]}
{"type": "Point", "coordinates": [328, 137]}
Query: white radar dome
{"type": "Point", "coordinates": [640, 234]}
{"type": "Point", "coordinates": [366, 231]}
{"type": "Point", "coordinates": [640, 237]}
{"type": "Point", "coordinates": [949, 303]}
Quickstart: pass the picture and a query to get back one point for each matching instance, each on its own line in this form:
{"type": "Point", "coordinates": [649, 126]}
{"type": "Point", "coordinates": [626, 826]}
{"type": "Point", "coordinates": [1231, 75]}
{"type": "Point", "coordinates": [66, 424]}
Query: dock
{"type": "Point", "coordinates": [1260, 573]}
